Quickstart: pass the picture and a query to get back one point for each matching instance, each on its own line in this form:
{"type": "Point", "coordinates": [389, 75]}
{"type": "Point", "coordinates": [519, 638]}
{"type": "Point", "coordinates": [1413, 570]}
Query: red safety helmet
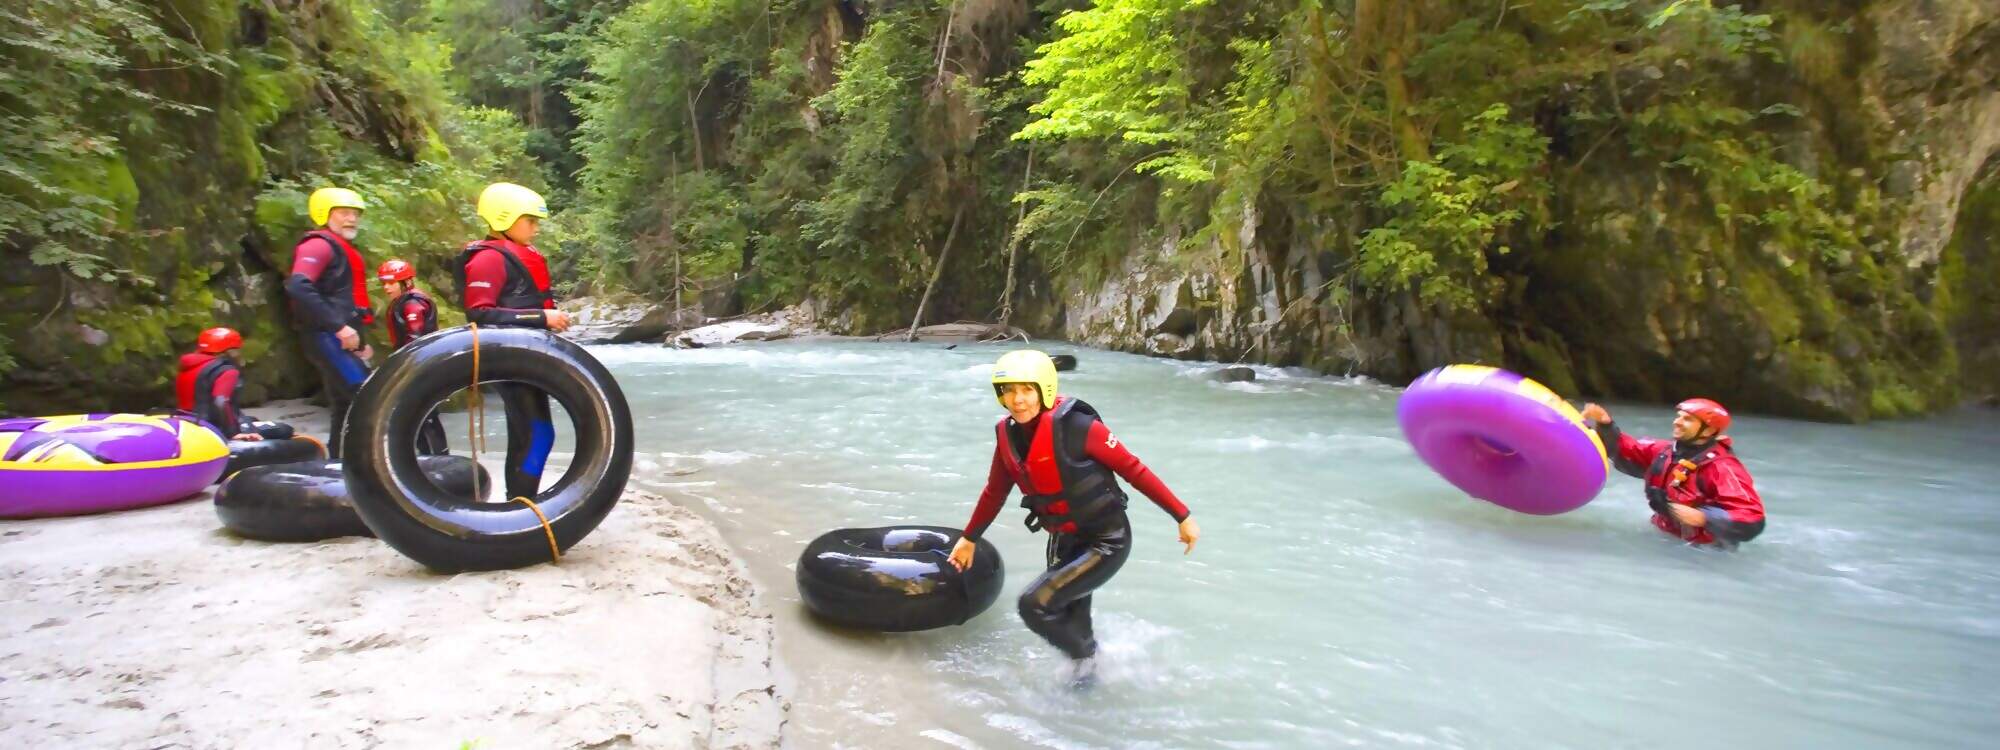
{"type": "Point", "coordinates": [396, 270]}
{"type": "Point", "coordinates": [1709, 412]}
{"type": "Point", "coordinates": [218, 340]}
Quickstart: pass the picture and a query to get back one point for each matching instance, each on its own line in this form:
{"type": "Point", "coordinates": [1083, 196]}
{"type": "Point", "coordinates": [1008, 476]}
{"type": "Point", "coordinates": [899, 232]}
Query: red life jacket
{"type": "Point", "coordinates": [527, 285]}
{"type": "Point", "coordinates": [194, 388]}
{"type": "Point", "coordinates": [344, 271]}
{"type": "Point", "coordinates": [398, 328]}
{"type": "Point", "coordinates": [1684, 484]}
{"type": "Point", "coordinates": [1064, 490]}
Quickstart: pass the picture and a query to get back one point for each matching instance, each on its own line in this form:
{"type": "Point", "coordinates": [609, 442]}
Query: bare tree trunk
{"type": "Point", "coordinates": [944, 46]}
{"type": "Point", "coordinates": [694, 131]}
{"type": "Point", "coordinates": [1386, 34]}
{"type": "Point", "coordinates": [937, 271]}
{"type": "Point", "coordinates": [1014, 245]}
{"type": "Point", "coordinates": [534, 71]}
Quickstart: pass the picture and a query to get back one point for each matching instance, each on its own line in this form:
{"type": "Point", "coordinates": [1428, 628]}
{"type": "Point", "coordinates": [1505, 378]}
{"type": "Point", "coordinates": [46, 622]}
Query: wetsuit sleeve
{"type": "Point", "coordinates": [485, 276]}
{"type": "Point", "coordinates": [998, 486]}
{"type": "Point", "coordinates": [223, 398]}
{"type": "Point", "coordinates": [1732, 499]}
{"type": "Point", "coordinates": [309, 260]}
{"type": "Point", "coordinates": [1629, 454]}
{"type": "Point", "coordinates": [1105, 449]}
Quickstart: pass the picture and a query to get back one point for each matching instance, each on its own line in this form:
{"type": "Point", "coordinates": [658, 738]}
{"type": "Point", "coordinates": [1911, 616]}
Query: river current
{"type": "Point", "coordinates": [1342, 594]}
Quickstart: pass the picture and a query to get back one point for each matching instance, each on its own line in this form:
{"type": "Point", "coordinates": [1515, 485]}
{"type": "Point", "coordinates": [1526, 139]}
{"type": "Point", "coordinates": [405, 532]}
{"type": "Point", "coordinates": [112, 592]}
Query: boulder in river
{"type": "Point", "coordinates": [1237, 374]}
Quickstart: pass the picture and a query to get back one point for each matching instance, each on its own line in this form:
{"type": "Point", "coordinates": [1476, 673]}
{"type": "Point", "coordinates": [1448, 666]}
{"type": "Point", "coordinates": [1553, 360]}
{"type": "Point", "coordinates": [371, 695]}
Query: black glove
{"type": "Point", "coordinates": [1656, 498]}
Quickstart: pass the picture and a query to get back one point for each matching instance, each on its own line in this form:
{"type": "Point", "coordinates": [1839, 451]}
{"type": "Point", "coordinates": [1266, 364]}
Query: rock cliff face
{"type": "Point", "coordinates": [1611, 301]}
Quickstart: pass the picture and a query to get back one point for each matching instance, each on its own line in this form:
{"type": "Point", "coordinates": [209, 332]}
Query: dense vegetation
{"type": "Point", "coordinates": [1624, 197]}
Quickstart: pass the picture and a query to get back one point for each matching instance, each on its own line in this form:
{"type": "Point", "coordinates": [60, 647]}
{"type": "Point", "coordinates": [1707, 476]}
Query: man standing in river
{"type": "Point", "coordinates": [1697, 489]}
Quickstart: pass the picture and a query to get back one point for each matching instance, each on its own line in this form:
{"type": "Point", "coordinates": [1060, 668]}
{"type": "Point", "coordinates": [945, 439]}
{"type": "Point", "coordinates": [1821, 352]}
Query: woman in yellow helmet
{"type": "Point", "coordinates": [504, 281]}
{"type": "Point", "coordinates": [1058, 451]}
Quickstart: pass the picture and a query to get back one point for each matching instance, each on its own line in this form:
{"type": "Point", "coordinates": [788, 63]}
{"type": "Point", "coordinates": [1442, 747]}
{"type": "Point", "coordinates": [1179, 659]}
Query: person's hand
{"type": "Point", "coordinates": [367, 353]}
{"type": "Point", "coordinates": [350, 339]}
{"type": "Point", "coordinates": [1596, 413]}
{"type": "Point", "coordinates": [559, 321]}
{"type": "Point", "coordinates": [248, 437]}
{"type": "Point", "coordinates": [961, 553]}
{"type": "Point", "coordinates": [1190, 533]}
{"type": "Point", "coordinates": [1687, 515]}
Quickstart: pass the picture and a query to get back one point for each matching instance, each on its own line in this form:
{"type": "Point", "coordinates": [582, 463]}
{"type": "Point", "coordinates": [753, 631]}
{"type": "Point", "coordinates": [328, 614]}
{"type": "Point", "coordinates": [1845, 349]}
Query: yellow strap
{"type": "Point", "coordinates": [555, 552]}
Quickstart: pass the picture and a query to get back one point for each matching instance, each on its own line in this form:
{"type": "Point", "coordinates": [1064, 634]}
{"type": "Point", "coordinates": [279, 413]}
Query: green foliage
{"type": "Point", "coordinates": [871, 111]}
{"type": "Point", "coordinates": [1119, 70]}
{"type": "Point", "coordinates": [1447, 215]}
{"type": "Point", "coordinates": [657, 69]}
{"type": "Point", "coordinates": [781, 150]}
{"type": "Point", "coordinates": [65, 191]}
{"type": "Point", "coordinates": [528, 57]}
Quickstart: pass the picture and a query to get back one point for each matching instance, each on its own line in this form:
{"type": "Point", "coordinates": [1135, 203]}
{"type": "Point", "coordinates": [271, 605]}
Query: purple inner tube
{"type": "Point", "coordinates": [1493, 438]}
{"type": "Point", "coordinates": [30, 493]}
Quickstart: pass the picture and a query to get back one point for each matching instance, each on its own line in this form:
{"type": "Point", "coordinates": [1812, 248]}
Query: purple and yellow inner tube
{"type": "Point", "coordinates": [1503, 438]}
{"type": "Point", "coordinates": [89, 463]}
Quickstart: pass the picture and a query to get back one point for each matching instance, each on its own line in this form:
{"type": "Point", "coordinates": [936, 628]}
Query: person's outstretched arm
{"type": "Point", "coordinates": [1105, 448]}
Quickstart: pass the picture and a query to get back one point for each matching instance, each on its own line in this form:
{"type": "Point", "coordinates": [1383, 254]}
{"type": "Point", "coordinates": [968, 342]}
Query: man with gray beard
{"type": "Point", "coordinates": [330, 302]}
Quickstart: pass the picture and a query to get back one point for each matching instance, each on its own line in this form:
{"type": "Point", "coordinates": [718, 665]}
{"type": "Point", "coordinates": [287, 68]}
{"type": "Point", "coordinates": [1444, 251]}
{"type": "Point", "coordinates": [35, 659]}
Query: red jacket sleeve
{"type": "Point", "coordinates": [1628, 454]}
{"type": "Point", "coordinates": [309, 260]}
{"type": "Point", "coordinates": [485, 276]}
{"type": "Point", "coordinates": [311, 257]}
{"type": "Point", "coordinates": [998, 486]}
{"type": "Point", "coordinates": [1733, 491]}
{"type": "Point", "coordinates": [1105, 449]}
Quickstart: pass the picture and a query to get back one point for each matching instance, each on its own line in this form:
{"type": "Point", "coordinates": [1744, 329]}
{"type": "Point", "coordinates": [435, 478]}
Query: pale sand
{"type": "Point", "coordinates": [155, 628]}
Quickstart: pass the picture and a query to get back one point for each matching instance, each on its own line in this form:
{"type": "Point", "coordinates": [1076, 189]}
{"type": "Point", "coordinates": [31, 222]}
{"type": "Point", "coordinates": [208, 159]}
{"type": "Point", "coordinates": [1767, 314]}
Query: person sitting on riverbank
{"type": "Point", "coordinates": [411, 314]}
{"type": "Point", "coordinates": [206, 387]}
{"type": "Point", "coordinates": [504, 281]}
{"type": "Point", "coordinates": [330, 300]}
{"type": "Point", "coordinates": [1059, 453]}
{"type": "Point", "coordinates": [1696, 487]}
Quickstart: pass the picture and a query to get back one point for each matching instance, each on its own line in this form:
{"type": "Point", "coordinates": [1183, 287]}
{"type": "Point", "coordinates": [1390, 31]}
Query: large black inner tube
{"type": "Point", "coordinates": [307, 501]}
{"type": "Point", "coordinates": [452, 531]}
{"type": "Point", "coordinates": [244, 454]}
{"type": "Point", "coordinates": [896, 578]}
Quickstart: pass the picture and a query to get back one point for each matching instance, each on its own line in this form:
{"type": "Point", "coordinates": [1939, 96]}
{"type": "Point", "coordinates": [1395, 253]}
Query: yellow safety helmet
{"type": "Point", "coordinates": [1026, 366]}
{"type": "Point", "coordinates": [325, 200]}
{"type": "Point", "coordinates": [501, 203]}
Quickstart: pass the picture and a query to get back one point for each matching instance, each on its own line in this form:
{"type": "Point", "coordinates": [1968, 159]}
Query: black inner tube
{"type": "Point", "coordinates": [307, 501]}
{"type": "Point", "coordinates": [244, 454]}
{"type": "Point", "coordinates": [450, 531]}
{"type": "Point", "coordinates": [896, 578]}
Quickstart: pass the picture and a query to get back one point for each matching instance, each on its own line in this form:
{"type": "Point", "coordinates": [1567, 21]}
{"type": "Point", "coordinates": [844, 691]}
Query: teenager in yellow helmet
{"type": "Point", "coordinates": [1059, 453]}
{"type": "Point", "coordinates": [328, 286]}
{"type": "Point", "coordinates": [504, 281]}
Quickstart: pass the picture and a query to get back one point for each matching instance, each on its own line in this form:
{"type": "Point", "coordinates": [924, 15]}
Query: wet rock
{"type": "Point", "coordinates": [1233, 375]}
